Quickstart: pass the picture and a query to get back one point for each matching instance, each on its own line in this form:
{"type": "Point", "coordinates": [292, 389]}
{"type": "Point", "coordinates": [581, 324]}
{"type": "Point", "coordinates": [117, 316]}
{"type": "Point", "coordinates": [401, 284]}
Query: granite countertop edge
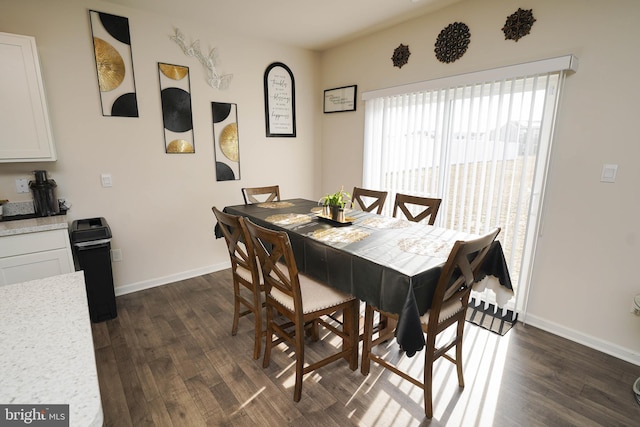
{"type": "Point", "coordinates": [33, 225]}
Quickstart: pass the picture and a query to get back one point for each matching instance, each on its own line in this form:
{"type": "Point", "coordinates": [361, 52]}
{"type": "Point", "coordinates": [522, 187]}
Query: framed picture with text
{"type": "Point", "coordinates": [279, 101]}
{"type": "Point", "coordinates": [340, 99]}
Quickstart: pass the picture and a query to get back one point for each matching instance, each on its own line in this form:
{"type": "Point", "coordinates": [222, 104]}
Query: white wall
{"type": "Point", "coordinates": [585, 272]}
{"type": "Point", "coordinates": [159, 207]}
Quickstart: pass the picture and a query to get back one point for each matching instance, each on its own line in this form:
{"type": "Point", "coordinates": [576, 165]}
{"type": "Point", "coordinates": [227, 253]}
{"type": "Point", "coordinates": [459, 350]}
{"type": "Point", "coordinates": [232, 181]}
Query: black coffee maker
{"type": "Point", "coordinates": [45, 202]}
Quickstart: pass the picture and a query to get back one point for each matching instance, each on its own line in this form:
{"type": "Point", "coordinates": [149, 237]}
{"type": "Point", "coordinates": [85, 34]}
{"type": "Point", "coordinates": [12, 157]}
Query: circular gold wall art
{"type": "Point", "coordinates": [179, 146]}
{"type": "Point", "coordinates": [174, 72]}
{"type": "Point", "coordinates": [109, 64]}
{"type": "Point", "coordinates": [229, 141]}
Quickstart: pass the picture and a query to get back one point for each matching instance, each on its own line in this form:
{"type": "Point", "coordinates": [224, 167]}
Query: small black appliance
{"type": "Point", "coordinates": [45, 202]}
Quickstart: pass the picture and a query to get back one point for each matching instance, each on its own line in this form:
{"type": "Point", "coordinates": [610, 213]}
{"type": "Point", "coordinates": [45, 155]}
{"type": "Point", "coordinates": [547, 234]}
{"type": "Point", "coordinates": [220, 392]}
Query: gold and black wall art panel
{"type": "Point", "coordinates": [175, 93]}
{"type": "Point", "coordinates": [226, 141]}
{"type": "Point", "coordinates": [114, 64]}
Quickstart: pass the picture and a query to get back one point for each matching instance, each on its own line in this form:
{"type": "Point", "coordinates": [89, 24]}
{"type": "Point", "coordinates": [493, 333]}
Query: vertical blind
{"type": "Point", "coordinates": [481, 146]}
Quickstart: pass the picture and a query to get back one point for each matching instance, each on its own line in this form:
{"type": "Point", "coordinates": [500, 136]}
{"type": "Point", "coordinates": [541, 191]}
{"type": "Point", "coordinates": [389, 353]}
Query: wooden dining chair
{"type": "Point", "coordinates": [245, 273]}
{"type": "Point", "coordinates": [268, 194]}
{"type": "Point", "coordinates": [449, 306]}
{"type": "Point", "coordinates": [368, 200]}
{"type": "Point", "coordinates": [425, 207]}
{"type": "Point", "coordinates": [302, 302]}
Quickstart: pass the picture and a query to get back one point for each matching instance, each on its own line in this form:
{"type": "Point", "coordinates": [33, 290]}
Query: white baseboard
{"type": "Point", "coordinates": [159, 281]}
{"type": "Point", "coordinates": [587, 340]}
{"type": "Point", "coordinates": [551, 327]}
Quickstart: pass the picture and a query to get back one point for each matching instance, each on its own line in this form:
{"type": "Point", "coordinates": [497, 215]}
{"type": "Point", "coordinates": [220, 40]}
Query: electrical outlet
{"type": "Point", "coordinates": [64, 204]}
{"type": "Point", "coordinates": [22, 185]}
{"type": "Point", "coordinates": [116, 255]}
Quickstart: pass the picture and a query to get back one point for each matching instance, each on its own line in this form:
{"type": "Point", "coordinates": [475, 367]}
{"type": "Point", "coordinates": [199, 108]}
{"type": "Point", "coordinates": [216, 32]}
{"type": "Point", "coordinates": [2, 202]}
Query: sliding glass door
{"type": "Point", "coordinates": [482, 147]}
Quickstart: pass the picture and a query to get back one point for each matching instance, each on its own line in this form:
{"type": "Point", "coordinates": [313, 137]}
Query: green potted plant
{"type": "Point", "coordinates": [334, 204]}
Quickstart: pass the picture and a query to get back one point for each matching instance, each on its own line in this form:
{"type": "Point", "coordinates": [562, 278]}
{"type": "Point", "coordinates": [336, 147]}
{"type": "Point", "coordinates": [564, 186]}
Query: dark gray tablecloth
{"type": "Point", "coordinates": [394, 265]}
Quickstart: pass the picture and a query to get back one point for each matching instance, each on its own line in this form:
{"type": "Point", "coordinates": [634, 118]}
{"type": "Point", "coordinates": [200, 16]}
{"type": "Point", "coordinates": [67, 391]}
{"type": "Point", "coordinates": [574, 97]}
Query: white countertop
{"type": "Point", "coordinates": [22, 226]}
{"type": "Point", "coordinates": [46, 347]}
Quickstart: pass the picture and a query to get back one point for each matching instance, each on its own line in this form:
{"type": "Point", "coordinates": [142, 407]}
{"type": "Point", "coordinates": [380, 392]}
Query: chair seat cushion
{"type": "Point", "coordinates": [449, 309]}
{"type": "Point", "coordinates": [246, 274]}
{"type": "Point", "coordinates": [315, 295]}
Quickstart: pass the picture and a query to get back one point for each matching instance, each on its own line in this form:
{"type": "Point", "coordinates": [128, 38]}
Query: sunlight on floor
{"type": "Point", "coordinates": [248, 401]}
{"type": "Point", "coordinates": [397, 402]}
{"type": "Point", "coordinates": [475, 405]}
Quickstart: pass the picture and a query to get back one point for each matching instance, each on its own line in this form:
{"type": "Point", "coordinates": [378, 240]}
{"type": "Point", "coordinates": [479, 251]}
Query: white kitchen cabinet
{"type": "Point", "coordinates": [32, 256]}
{"type": "Point", "coordinates": [24, 118]}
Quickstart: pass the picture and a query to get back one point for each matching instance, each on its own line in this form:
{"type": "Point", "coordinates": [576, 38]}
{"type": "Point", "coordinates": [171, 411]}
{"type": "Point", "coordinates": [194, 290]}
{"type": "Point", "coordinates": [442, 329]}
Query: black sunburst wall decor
{"type": "Point", "coordinates": [400, 55]}
{"type": "Point", "coordinates": [452, 42]}
{"type": "Point", "coordinates": [518, 24]}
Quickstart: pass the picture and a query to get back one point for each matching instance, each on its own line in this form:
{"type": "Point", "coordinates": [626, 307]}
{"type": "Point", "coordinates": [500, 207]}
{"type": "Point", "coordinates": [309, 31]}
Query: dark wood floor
{"type": "Point", "coordinates": [169, 359]}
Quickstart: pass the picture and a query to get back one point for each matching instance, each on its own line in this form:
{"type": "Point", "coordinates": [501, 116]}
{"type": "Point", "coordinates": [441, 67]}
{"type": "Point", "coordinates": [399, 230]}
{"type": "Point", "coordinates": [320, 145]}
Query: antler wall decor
{"type": "Point", "coordinates": [209, 62]}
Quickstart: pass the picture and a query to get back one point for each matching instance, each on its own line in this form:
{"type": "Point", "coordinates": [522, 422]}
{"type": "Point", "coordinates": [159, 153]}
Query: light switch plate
{"type": "Point", "coordinates": [609, 173]}
{"type": "Point", "coordinates": [106, 180]}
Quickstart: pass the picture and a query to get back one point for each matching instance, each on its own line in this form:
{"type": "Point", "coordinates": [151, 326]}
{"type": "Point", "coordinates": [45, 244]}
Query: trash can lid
{"type": "Point", "coordinates": [83, 230]}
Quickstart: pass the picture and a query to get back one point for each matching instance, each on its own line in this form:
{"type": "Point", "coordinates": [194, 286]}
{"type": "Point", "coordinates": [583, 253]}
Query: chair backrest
{"type": "Point", "coordinates": [278, 264]}
{"type": "Point", "coordinates": [270, 194]}
{"type": "Point", "coordinates": [407, 204]}
{"type": "Point", "coordinates": [460, 272]}
{"type": "Point", "coordinates": [368, 200]}
{"type": "Point", "coordinates": [239, 243]}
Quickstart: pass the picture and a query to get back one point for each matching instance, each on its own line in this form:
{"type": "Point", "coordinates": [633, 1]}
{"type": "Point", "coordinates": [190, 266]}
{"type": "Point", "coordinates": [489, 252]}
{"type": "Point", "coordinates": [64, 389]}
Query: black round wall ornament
{"type": "Point", "coordinates": [224, 172]}
{"type": "Point", "coordinates": [116, 26]}
{"type": "Point", "coordinates": [518, 24]}
{"type": "Point", "coordinates": [176, 109]}
{"type": "Point", "coordinates": [400, 55]}
{"type": "Point", "coordinates": [452, 42]}
{"type": "Point", "coordinates": [126, 105]}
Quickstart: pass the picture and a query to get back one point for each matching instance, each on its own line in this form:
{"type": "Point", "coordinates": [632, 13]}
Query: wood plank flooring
{"type": "Point", "coordinates": [169, 359]}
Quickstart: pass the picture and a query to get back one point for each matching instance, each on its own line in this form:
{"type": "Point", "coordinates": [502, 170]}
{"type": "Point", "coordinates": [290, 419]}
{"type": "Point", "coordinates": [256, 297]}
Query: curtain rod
{"type": "Point", "coordinates": [561, 63]}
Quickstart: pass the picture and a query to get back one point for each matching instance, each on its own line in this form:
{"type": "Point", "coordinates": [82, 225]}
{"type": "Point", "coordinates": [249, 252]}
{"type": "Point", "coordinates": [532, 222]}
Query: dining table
{"type": "Point", "coordinates": [391, 263]}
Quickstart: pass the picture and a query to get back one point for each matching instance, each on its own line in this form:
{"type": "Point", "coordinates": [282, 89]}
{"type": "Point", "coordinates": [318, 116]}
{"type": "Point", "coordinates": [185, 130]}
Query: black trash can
{"type": "Point", "coordinates": [91, 241]}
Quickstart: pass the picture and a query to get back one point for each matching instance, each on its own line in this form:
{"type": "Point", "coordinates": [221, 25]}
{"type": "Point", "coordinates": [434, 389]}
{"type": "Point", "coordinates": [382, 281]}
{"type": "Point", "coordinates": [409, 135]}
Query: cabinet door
{"type": "Point", "coordinates": [34, 266]}
{"type": "Point", "coordinates": [25, 134]}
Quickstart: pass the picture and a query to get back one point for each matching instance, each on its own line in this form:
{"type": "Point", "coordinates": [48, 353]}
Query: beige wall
{"type": "Point", "coordinates": [159, 207]}
{"type": "Point", "coordinates": [585, 271]}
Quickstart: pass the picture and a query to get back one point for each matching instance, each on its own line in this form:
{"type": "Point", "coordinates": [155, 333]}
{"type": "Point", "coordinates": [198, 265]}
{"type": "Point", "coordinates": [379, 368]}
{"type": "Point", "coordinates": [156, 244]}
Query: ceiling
{"type": "Point", "coordinates": [310, 24]}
